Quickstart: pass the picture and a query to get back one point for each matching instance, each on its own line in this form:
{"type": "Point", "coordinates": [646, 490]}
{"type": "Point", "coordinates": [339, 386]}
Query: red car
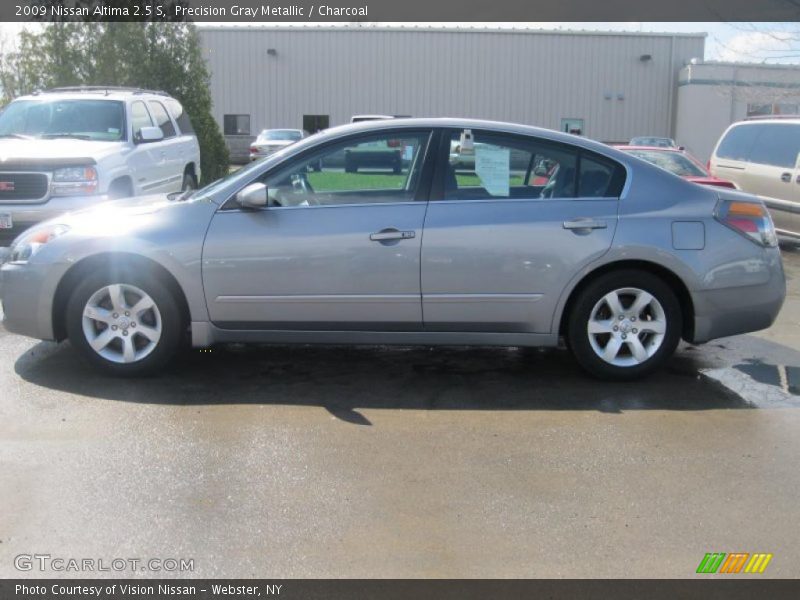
{"type": "Point", "coordinates": [679, 162]}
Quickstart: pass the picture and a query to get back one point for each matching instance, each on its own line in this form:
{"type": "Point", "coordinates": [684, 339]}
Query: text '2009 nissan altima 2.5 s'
{"type": "Point", "coordinates": [544, 235]}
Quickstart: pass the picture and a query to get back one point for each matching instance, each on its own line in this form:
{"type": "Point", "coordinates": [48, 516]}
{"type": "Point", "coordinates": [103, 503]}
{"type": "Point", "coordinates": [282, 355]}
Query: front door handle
{"type": "Point", "coordinates": [585, 224]}
{"type": "Point", "coordinates": [385, 235]}
{"type": "Point", "coordinates": [786, 177]}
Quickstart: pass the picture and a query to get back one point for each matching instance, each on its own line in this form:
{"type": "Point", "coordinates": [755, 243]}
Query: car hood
{"type": "Point", "coordinates": [53, 150]}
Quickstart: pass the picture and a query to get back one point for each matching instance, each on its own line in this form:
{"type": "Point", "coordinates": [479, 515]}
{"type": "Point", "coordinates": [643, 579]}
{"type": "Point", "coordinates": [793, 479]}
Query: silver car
{"type": "Point", "coordinates": [619, 258]}
{"type": "Point", "coordinates": [270, 141]}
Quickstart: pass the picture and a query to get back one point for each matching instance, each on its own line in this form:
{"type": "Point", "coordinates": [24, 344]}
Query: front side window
{"type": "Point", "coordinates": [483, 166]}
{"type": "Point", "coordinates": [381, 168]}
{"type": "Point", "coordinates": [140, 117]}
{"type": "Point", "coordinates": [94, 120]}
{"type": "Point", "coordinates": [162, 119]}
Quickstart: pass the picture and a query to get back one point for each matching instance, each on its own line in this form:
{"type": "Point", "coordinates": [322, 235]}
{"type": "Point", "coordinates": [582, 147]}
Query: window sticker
{"type": "Point", "coordinates": [493, 167]}
{"type": "Point", "coordinates": [408, 153]}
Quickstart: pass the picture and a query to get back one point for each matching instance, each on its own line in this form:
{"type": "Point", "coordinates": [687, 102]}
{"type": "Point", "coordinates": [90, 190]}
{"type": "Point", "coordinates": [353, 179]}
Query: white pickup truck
{"type": "Point", "coordinates": [68, 148]}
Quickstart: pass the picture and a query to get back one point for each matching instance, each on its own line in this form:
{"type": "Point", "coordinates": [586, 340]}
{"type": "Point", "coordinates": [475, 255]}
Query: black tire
{"type": "Point", "coordinates": [189, 182]}
{"type": "Point", "coordinates": [173, 321]}
{"type": "Point", "coordinates": [120, 189]}
{"type": "Point", "coordinates": [578, 339]}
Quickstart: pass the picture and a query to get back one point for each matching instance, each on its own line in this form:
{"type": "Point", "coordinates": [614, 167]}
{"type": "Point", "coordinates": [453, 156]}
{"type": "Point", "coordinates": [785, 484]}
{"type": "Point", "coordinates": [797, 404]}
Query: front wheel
{"type": "Point", "coordinates": [127, 324]}
{"type": "Point", "coordinates": [624, 325]}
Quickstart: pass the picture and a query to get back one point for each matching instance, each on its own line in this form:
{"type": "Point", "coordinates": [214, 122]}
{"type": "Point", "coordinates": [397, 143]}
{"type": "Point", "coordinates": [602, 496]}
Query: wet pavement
{"type": "Point", "coordinates": [405, 462]}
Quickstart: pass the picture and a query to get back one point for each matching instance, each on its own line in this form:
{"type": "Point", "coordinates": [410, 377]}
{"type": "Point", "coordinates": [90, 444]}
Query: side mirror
{"type": "Point", "coordinates": [149, 134]}
{"type": "Point", "coordinates": [253, 196]}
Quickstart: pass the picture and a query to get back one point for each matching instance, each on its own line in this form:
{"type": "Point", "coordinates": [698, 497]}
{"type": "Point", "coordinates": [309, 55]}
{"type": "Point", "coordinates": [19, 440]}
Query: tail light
{"type": "Point", "coordinates": [253, 149]}
{"type": "Point", "coordinates": [750, 219]}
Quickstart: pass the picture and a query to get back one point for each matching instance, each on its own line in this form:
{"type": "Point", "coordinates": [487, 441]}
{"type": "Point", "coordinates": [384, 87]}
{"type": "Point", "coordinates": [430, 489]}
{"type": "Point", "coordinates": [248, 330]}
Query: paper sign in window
{"type": "Point", "coordinates": [493, 167]}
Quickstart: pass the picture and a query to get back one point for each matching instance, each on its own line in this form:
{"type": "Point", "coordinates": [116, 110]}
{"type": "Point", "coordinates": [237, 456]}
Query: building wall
{"type": "Point", "coordinates": [711, 96]}
{"type": "Point", "coordinates": [538, 78]}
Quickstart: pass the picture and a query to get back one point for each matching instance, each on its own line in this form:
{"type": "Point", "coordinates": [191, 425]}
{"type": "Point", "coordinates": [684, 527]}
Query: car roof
{"type": "Point", "coordinates": [95, 92]}
{"type": "Point", "coordinates": [769, 119]}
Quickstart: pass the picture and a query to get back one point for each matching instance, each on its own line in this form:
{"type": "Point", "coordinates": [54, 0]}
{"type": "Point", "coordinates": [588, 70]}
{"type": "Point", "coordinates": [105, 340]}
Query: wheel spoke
{"type": "Point", "coordinates": [144, 303]}
{"type": "Point", "coordinates": [117, 297]}
{"type": "Point", "coordinates": [641, 302]}
{"type": "Point", "coordinates": [612, 300]}
{"type": "Point", "coordinates": [128, 350]}
{"type": "Point", "coordinates": [97, 313]}
{"type": "Point", "coordinates": [102, 340]}
{"type": "Point", "coordinates": [612, 349]}
{"type": "Point", "coordinates": [637, 349]}
{"type": "Point", "coordinates": [653, 326]}
{"type": "Point", "coordinates": [601, 326]}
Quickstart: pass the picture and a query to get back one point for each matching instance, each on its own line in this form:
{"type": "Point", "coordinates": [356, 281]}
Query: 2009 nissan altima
{"type": "Point", "coordinates": [544, 235]}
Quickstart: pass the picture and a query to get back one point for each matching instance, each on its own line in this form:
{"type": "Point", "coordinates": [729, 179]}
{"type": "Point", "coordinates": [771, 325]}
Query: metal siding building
{"type": "Point", "coordinates": [618, 84]}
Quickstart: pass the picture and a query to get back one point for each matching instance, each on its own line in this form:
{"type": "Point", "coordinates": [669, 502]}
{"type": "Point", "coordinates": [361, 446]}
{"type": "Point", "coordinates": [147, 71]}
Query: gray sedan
{"type": "Point", "coordinates": [616, 256]}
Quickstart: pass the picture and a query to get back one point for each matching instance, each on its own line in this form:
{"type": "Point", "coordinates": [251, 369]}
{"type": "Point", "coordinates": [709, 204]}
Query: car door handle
{"type": "Point", "coordinates": [786, 177]}
{"type": "Point", "coordinates": [391, 234]}
{"type": "Point", "coordinates": [585, 224]}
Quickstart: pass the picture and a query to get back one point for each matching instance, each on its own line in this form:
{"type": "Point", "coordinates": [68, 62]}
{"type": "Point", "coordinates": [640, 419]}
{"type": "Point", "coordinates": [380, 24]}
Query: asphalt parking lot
{"type": "Point", "coordinates": [405, 462]}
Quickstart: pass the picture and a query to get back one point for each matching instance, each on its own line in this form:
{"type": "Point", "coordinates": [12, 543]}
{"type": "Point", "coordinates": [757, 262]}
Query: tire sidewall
{"type": "Point", "coordinates": [189, 179]}
{"type": "Point", "coordinates": [578, 339]}
{"type": "Point", "coordinates": [172, 321]}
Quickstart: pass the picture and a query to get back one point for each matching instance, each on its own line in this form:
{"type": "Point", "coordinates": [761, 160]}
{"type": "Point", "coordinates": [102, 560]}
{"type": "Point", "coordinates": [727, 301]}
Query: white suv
{"type": "Point", "coordinates": [67, 148]}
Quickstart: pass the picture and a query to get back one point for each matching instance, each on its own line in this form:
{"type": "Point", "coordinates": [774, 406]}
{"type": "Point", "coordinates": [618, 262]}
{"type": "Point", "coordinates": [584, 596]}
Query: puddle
{"type": "Point", "coordinates": [761, 384]}
{"type": "Point", "coordinates": [782, 376]}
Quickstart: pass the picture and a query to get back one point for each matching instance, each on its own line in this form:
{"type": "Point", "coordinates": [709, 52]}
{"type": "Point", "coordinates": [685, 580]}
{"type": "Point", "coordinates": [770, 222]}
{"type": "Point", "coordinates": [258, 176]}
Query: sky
{"type": "Point", "coordinates": [743, 42]}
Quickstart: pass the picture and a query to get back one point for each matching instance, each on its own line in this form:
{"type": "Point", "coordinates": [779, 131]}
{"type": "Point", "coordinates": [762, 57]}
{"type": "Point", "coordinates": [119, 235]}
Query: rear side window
{"type": "Point", "coordinates": [599, 178]}
{"type": "Point", "coordinates": [483, 165]}
{"type": "Point", "coordinates": [162, 118]}
{"type": "Point", "coordinates": [179, 114]}
{"type": "Point", "coordinates": [738, 142]}
{"type": "Point", "coordinates": [777, 145]}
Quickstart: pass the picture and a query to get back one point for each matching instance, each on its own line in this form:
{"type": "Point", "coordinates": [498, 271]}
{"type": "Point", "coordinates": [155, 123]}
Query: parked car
{"type": "Point", "coordinates": [679, 162]}
{"type": "Point", "coordinates": [272, 140]}
{"type": "Point", "coordinates": [609, 252]}
{"type": "Point", "coordinates": [761, 157]}
{"type": "Point", "coordinates": [653, 141]}
{"type": "Point", "coordinates": [68, 148]}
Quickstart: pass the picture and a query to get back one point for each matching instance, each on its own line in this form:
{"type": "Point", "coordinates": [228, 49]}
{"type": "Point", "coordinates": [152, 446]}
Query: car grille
{"type": "Point", "coordinates": [22, 186]}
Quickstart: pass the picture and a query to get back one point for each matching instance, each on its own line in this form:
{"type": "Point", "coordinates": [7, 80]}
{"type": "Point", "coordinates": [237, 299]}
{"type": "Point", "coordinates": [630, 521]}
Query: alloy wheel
{"type": "Point", "coordinates": [122, 323]}
{"type": "Point", "coordinates": [627, 327]}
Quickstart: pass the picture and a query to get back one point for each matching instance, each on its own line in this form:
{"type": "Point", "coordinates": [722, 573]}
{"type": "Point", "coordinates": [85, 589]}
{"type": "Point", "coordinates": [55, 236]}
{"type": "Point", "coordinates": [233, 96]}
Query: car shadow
{"type": "Point", "coordinates": [344, 379]}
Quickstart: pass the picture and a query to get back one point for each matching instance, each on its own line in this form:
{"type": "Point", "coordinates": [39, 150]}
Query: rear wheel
{"type": "Point", "coordinates": [127, 324]}
{"type": "Point", "coordinates": [624, 325]}
{"type": "Point", "coordinates": [189, 182]}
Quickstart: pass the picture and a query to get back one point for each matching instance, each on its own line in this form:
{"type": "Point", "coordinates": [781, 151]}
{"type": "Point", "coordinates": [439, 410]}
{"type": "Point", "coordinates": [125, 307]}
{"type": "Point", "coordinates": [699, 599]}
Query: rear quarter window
{"type": "Point", "coordinates": [178, 113]}
{"type": "Point", "coordinates": [777, 145]}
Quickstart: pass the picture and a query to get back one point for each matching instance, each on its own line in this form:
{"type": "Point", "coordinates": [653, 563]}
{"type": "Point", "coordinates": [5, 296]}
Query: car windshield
{"type": "Point", "coordinates": [282, 135]}
{"type": "Point", "coordinates": [98, 120]}
{"type": "Point", "coordinates": [652, 141]}
{"type": "Point", "coordinates": [674, 162]}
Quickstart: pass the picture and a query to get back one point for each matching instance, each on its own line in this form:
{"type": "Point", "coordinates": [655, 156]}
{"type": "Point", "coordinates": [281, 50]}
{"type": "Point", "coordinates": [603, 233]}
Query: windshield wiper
{"type": "Point", "coordinates": [16, 136]}
{"type": "Point", "coordinates": [75, 136]}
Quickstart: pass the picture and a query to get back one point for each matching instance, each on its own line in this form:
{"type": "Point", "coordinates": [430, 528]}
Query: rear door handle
{"type": "Point", "coordinates": [786, 177]}
{"type": "Point", "coordinates": [391, 234]}
{"type": "Point", "coordinates": [585, 224]}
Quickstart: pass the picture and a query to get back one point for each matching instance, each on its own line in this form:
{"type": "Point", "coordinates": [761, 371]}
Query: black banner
{"type": "Point", "coordinates": [731, 588]}
{"type": "Point", "coordinates": [267, 11]}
